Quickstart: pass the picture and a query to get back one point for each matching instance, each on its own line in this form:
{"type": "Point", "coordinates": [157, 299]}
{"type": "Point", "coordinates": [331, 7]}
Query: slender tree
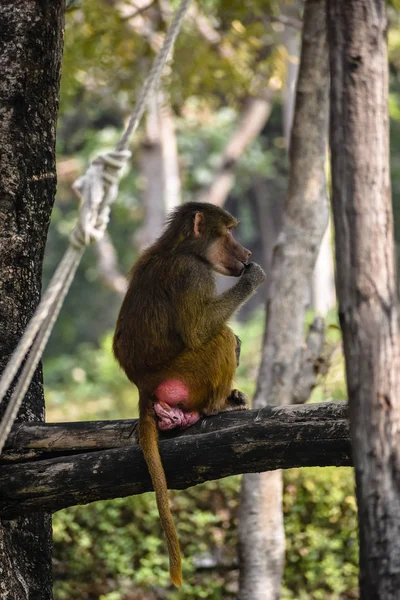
{"type": "Point", "coordinates": [366, 281]}
{"type": "Point", "coordinates": [305, 218]}
{"type": "Point", "coordinates": [30, 59]}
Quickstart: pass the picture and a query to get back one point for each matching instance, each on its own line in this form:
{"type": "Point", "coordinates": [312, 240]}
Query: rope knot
{"type": "Point", "coordinates": [97, 189]}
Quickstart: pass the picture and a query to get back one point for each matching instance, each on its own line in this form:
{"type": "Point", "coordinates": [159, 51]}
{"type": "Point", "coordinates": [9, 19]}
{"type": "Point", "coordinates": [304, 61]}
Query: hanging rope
{"type": "Point", "coordinates": [97, 190]}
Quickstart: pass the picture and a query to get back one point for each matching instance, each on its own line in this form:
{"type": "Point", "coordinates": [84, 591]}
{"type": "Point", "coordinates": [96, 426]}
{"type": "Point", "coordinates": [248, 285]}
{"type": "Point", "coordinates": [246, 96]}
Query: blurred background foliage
{"type": "Point", "coordinates": [228, 52]}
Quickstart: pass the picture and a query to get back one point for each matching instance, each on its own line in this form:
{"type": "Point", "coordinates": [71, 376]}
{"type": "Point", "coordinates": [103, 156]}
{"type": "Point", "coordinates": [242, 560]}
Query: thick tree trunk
{"type": "Point", "coordinates": [304, 222]}
{"type": "Point", "coordinates": [366, 280]}
{"type": "Point", "coordinates": [30, 58]}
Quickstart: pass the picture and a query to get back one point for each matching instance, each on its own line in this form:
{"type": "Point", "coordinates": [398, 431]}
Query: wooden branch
{"type": "Point", "coordinates": [211, 34]}
{"type": "Point", "coordinates": [138, 11]}
{"type": "Point", "coordinates": [46, 467]}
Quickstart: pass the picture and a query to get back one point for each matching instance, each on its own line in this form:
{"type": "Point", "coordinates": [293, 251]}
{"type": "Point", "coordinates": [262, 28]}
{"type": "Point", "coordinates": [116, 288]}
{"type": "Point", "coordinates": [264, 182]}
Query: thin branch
{"type": "Point", "coordinates": [284, 20]}
{"type": "Point", "coordinates": [251, 123]}
{"type": "Point", "coordinates": [210, 34]}
{"type": "Point", "coordinates": [138, 12]}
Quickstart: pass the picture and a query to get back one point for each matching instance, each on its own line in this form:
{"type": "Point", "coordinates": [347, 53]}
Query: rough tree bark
{"type": "Point", "coordinates": [261, 535]}
{"type": "Point", "coordinates": [366, 280]}
{"type": "Point", "coordinates": [30, 59]}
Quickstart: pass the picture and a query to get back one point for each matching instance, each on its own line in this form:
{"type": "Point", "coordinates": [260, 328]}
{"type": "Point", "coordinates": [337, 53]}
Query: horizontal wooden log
{"type": "Point", "coordinates": [46, 467]}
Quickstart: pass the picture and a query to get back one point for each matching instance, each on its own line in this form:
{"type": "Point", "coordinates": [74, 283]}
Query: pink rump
{"type": "Point", "coordinates": [172, 392]}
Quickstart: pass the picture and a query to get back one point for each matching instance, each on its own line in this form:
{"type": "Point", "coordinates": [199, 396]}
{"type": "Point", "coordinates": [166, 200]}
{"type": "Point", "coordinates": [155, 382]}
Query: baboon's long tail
{"type": "Point", "coordinates": [148, 439]}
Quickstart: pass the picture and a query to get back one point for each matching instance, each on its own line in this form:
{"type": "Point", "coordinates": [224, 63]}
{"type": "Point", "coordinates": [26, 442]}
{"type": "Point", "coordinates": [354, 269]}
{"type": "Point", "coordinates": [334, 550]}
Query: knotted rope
{"type": "Point", "coordinates": [97, 190]}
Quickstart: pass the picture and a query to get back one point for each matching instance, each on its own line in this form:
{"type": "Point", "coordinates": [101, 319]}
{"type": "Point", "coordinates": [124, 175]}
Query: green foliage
{"type": "Point", "coordinates": [331, 383]}
{"type": "Point", "coordinates": [118, 545]}
{"type": "Point", "coordinates": [88, 385]}
{"type": "Point", "coordinates": [321, 534]}
{"type": "Point", "coordinates": [201, 144]}
{"type": "Point", "coordinates": [394, 4]}
{"type": "Point", "coordinates": [99, 48]}
{"type": "Point", "coordinates": [115, 548]}
{"type": "Point", "coordinates": [250, 334]}
{"type": "Point", "coordinates": [107, 52]}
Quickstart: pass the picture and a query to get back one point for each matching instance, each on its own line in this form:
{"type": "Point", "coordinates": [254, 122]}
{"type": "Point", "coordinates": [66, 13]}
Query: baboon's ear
{"type": "Point", "coordinates": [198, 225]}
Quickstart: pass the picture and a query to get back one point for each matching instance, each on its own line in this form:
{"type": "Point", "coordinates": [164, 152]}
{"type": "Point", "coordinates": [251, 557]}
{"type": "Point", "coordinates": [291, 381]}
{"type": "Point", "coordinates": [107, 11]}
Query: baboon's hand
{"type": "Point", "coordinates": [254, 273]}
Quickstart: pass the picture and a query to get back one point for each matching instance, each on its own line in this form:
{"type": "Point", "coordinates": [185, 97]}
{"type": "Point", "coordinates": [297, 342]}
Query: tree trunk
{"type": "Point", "coordinates": [291, 41]}
{"type": "Point", "coordinates": [152, 169]}
{"type": "Point", "coordinates": [107, 266]}
{"type": "Point", "coordinates": [160, 167]}
{"type": "Point", "coordinates": [169, 149]}
{"type": "Point", "coordinates": [30, 59]}
{"type": "Point", "coordinates": [304, 221]}
{"type": "Point", "coordinates": [366, 281]}
{"type": "Point", "coordinates": [323, 290]}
